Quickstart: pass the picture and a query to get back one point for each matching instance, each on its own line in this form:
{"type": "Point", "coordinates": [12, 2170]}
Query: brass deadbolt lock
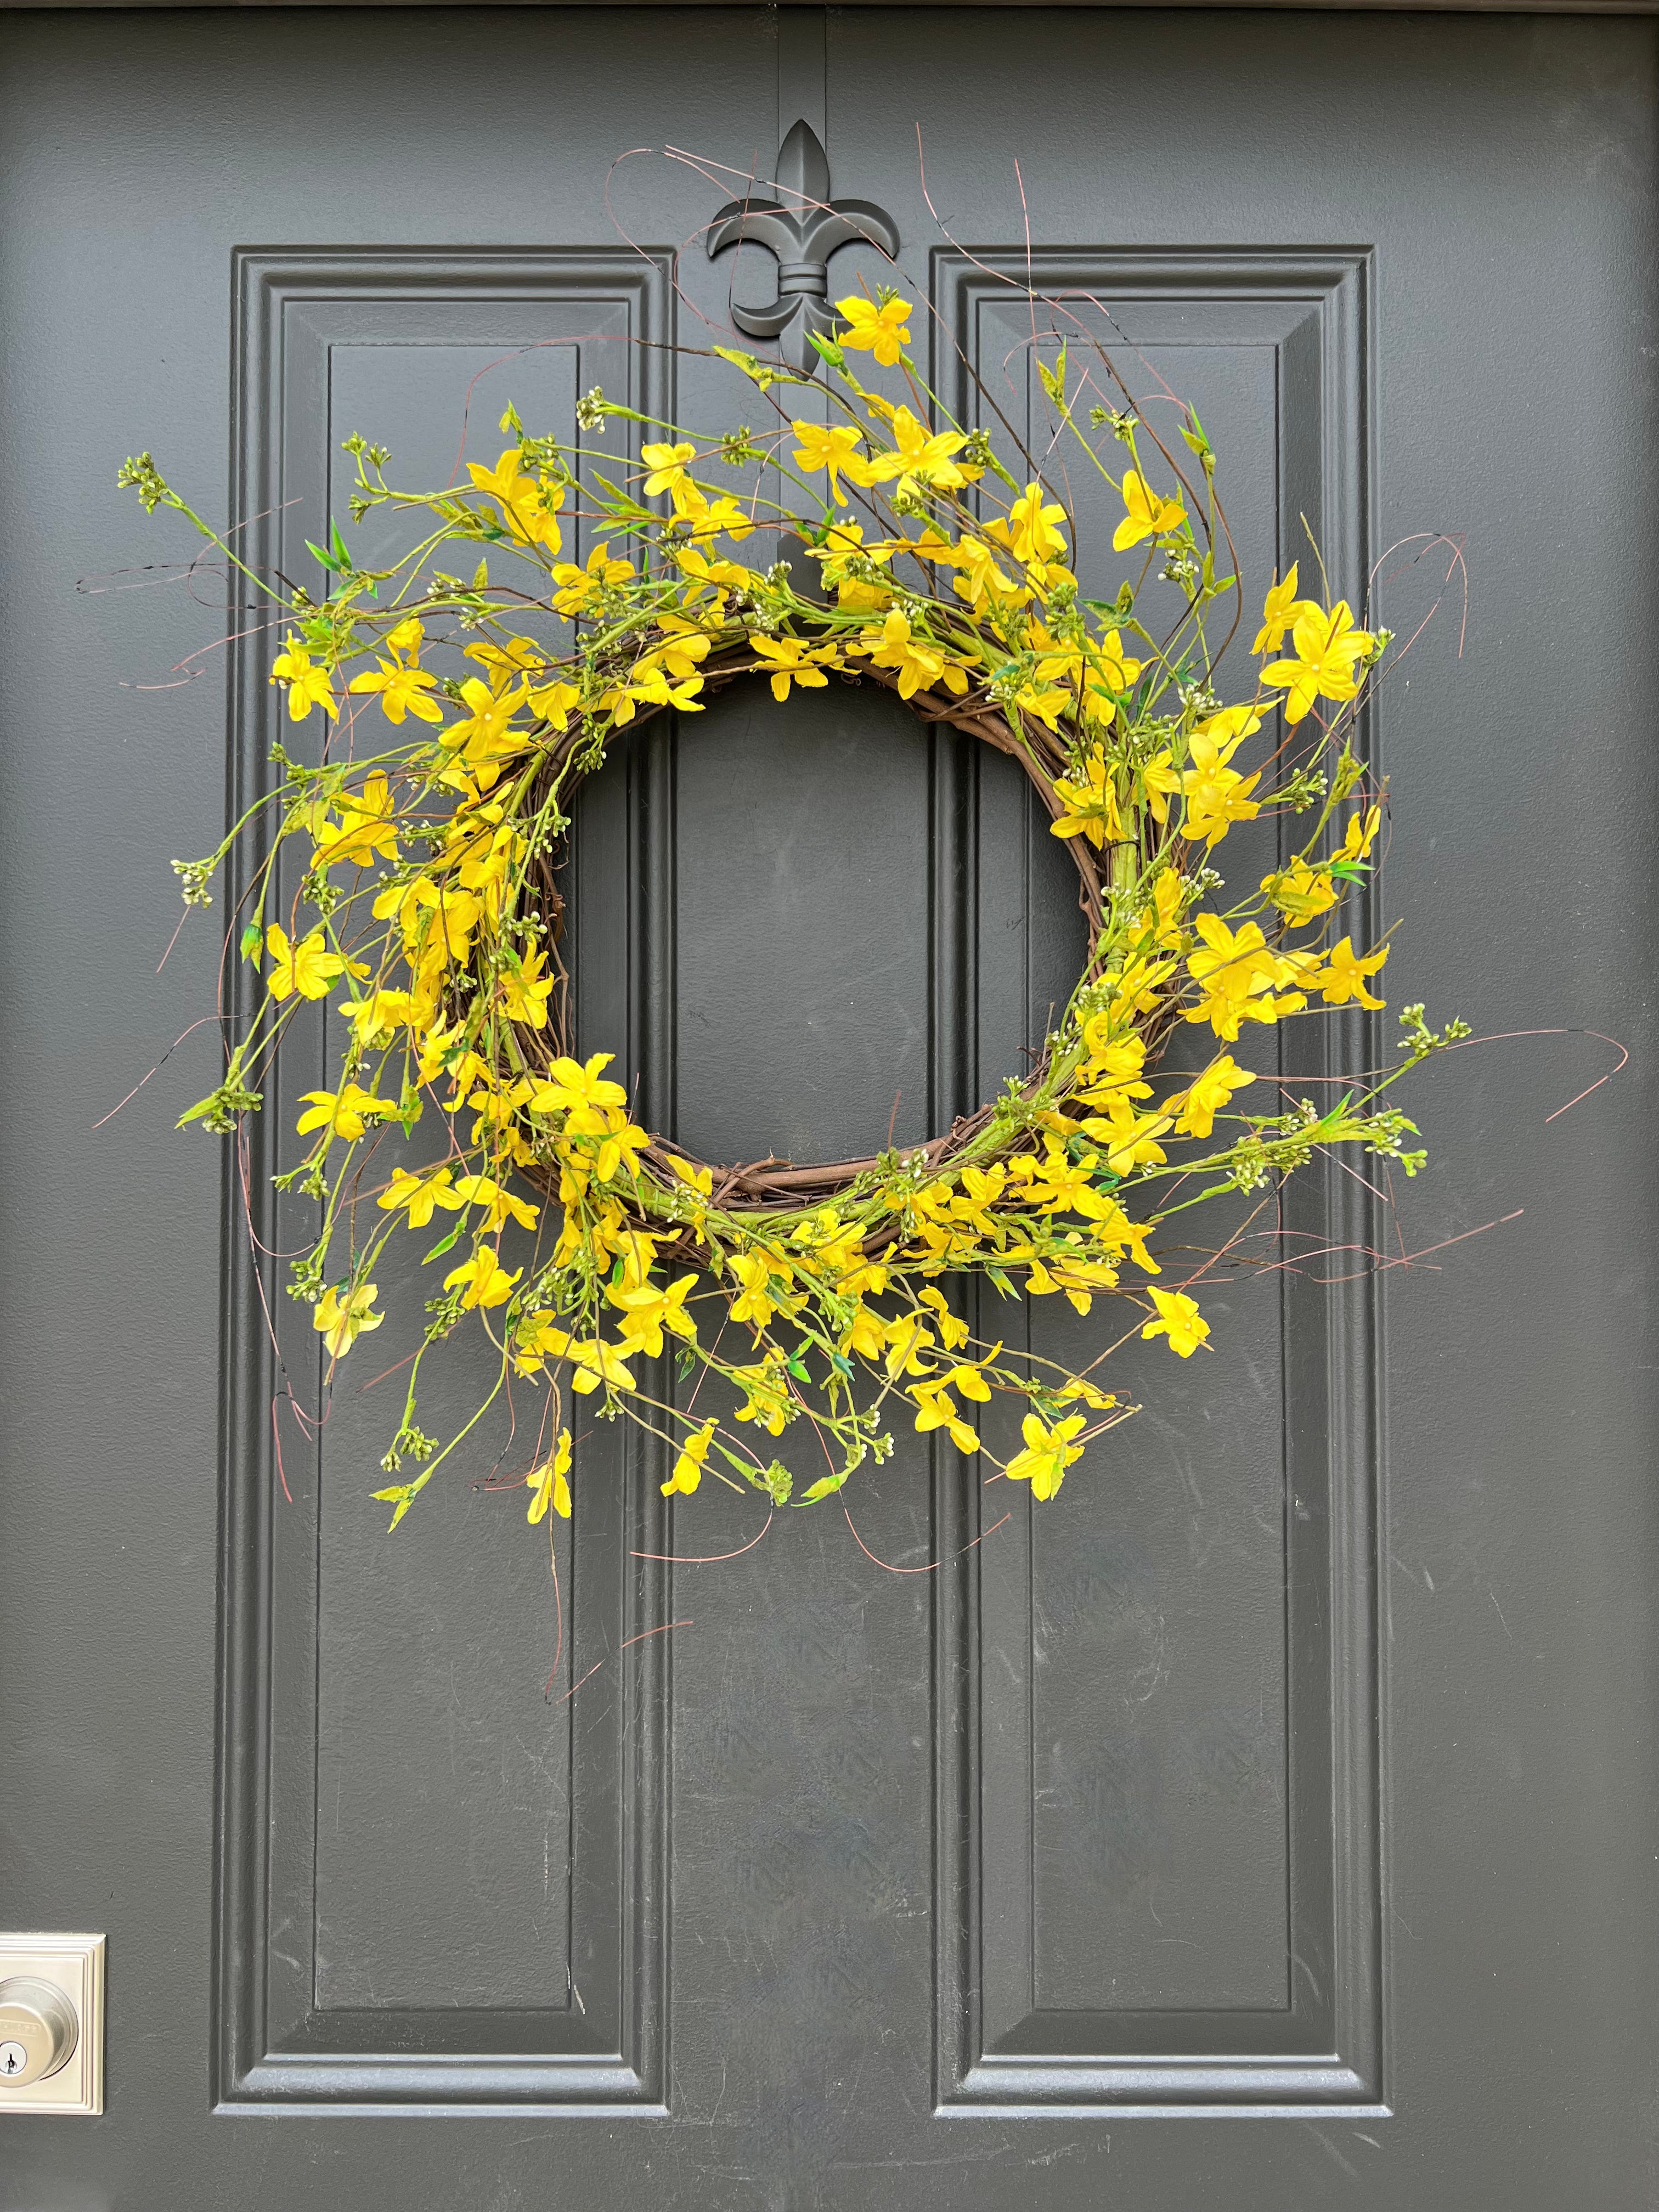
{"type": "Point", "coordinates": [38, 2030]}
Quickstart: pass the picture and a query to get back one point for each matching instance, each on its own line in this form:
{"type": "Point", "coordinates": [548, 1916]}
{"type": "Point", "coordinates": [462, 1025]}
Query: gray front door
{"type": "Point", "coordinates": [1270, 1821]}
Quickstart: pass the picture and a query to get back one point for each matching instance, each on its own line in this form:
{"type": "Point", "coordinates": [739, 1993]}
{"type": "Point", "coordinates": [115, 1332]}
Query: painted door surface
{"type": "Point", "coordinates": [1270, 1821]}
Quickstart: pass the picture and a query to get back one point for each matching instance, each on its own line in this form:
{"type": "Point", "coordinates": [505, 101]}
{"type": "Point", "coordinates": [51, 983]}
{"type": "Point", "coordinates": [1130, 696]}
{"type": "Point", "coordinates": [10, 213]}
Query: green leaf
{"type": "Point", "coordinates": [327, 559]}
{"type": "Point", "coordinates": [996, 1276]}
{"type": "Point", "coordinates": [1198, 439]}
{"type": "Point", "coordinates": [444, 1244]}
{"type": "Point", "coordinates": [252, 937]}
{"type": "Point", "coordinates": [481, 576]}
{"type": "Point", "coordinates": [1054, 379]}
{"type": "Point", "coordinates": [825, 1486]}
{"type": "Point", "coordinates": [798, 1368]}
{"type": "Point", "coordinates": [510, 420]}
{"type": "Point", "coordinates": [400, 1496]}
{"type": "Point", "coordinates": [338, 544]}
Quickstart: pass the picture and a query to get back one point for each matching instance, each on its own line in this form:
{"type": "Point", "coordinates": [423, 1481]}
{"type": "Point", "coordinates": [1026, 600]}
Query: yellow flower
{"type": "Point", "coordinates": [1280, 610]}
{"type": "Point", "coordinates": [791, 661]}
{"type": "Point", "coordinates": [883, 331]}
{"type": "Point", "coordinates": [1301, 892]}
{"type": "Point", "coordinates": [579, 586]}
{"type": "Point", "coordinates": [863, 1335]}
{"type": "Point", "coordinates": [487, 1282]}
{"type": "Point", "coordinates": [1032, 533]}
{"type": "Point", "coordinates": [524, 990]}
{"type": "Point", "coordinates": [918, 662]}
{"type": "Point", "coordinates": [540, 1337]}
{"type": "Point", "coordinates": [1343, 976]}
{"type": "Point", "coordinates": [646, 1311]}
{"type": "Point", "coordinates": [1179, 1319]}
{"type": "Point", "coordinates": [367, 825]}
{"type": "Point", "coordinates": [377, 1017]}
{"type": "Point", "coordinates": [1131, 1141]}
{"type": "Point", "coordinates": [521, 500]}
{"type": "Point", "coordinates": [569, 1085]}
{"type": "Point", "coordinates": [1326, 647]}
{"type": "Point", "coordinates": [1080, 1391]}
{"type": "Point", "coordinates": [1110, 671]}
{"type": "Point", "coordinates": [951, 1330]}
{"type": "Point", "coordinates": [1196, 1107]}
{"type": "Point", "coordinates": [551, 702]}
{"type": "Point", "coordinates": [684, 644]}
{"type": "Point", "coordinates": [418, 1194]}
{"type": "Point", "coordinates": [719, 576]}
{"type": "Point", "coordinates": [765, 1397]}
{"type": "Point", "coordinates": [1239, 975]}
{"type": "Point", "coordinates": [915, 458]}
{"type": "Point", "coordinates": [1148, 515]}
{"type": "Point", "coordinates": [969, 1378]}
{"type": "Point", "coordinates": [821, 447]}
{"type": "Point", "coordinates": [551, 1483]}
{"type": "Point", "coordinates": [1049, 1452]}
{"type": "Point", "coordinates": [1163, 917]}
{"type": "Point", "coordinates": [1115, 1061]}
{"type": "Point", "coordinates": [620, 1149]}
{"type": "Point", "coordinates": [754, 1274]}
{"type": "Point", "coordinates": [708, 518]}
{"type": "Point", "coordinates": [308, 686]}
{"type": "Point", "coordinates": [308, 967]}
{"type": "Point", "coordinates": [1218, 796]}
{"type": "Point", "coordinates": [1090, 804]}
{"type": "Point", "coordinates": [667, 466]}
{"type": "Point", "coordinates": [341, 1323]}
{"type": "Point", "coordinates": [688, 1468]}
{"type": "Point", "coordinates": [847, 559]}
{"type": "Point", "coordinates": [485, 739]}
{"type": "Point", "coordinates": [937, 1410]}
{"type": "Point", "coordinates": [345, 1113]}
{"type": "Point", "coordinates": [509, 663]}
{"type": "Point", "coordinates": [651, 687]}
{"type": "Point", "coordinates": [979, 579]}
{"type": "Point", "coordinates": [1361, 834]}
{"type": "Point", "coordinates": [501, 1204]}
{"type": "Point", "coordinates": [401, 689]}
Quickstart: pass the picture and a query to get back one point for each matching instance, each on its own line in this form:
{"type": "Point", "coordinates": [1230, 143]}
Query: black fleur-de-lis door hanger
{"type": "Point", "coordinates": [803, 238]}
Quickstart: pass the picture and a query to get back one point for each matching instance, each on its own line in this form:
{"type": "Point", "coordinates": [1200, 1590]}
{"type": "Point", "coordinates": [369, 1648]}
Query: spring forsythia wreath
{"type": "Point", "coordinates": [426, 907]}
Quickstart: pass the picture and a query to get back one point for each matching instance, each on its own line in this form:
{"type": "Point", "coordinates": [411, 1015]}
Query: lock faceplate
{"type": "Point", "coordinates": [52, 2023]}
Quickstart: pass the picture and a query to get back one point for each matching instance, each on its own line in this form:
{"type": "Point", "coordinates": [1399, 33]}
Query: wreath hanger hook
{"type": "Point", "coordinates": [802, 236]}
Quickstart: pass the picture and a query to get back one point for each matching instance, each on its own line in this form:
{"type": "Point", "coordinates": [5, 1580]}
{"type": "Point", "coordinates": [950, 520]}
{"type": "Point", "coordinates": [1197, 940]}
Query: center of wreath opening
{"type": "Point", "coordinates": [830, 893]}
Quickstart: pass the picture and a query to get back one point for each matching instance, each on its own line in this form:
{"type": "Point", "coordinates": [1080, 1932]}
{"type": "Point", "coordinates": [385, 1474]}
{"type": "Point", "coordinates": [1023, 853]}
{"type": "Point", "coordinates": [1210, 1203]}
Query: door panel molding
{"type": "Point", "coordinates": [999, 2047]}
{"type": "Point", "coordinates": [601, 2046]}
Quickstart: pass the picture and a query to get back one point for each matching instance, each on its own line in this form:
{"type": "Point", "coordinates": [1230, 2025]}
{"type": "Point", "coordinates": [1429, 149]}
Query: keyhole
{"type": "Point", "coordinates": [13, 2058]}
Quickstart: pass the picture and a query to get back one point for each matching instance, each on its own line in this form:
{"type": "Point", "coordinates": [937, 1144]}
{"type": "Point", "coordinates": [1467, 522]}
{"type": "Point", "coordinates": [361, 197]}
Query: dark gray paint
{"type": "Point", "coordinates": [1294, 1775]}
